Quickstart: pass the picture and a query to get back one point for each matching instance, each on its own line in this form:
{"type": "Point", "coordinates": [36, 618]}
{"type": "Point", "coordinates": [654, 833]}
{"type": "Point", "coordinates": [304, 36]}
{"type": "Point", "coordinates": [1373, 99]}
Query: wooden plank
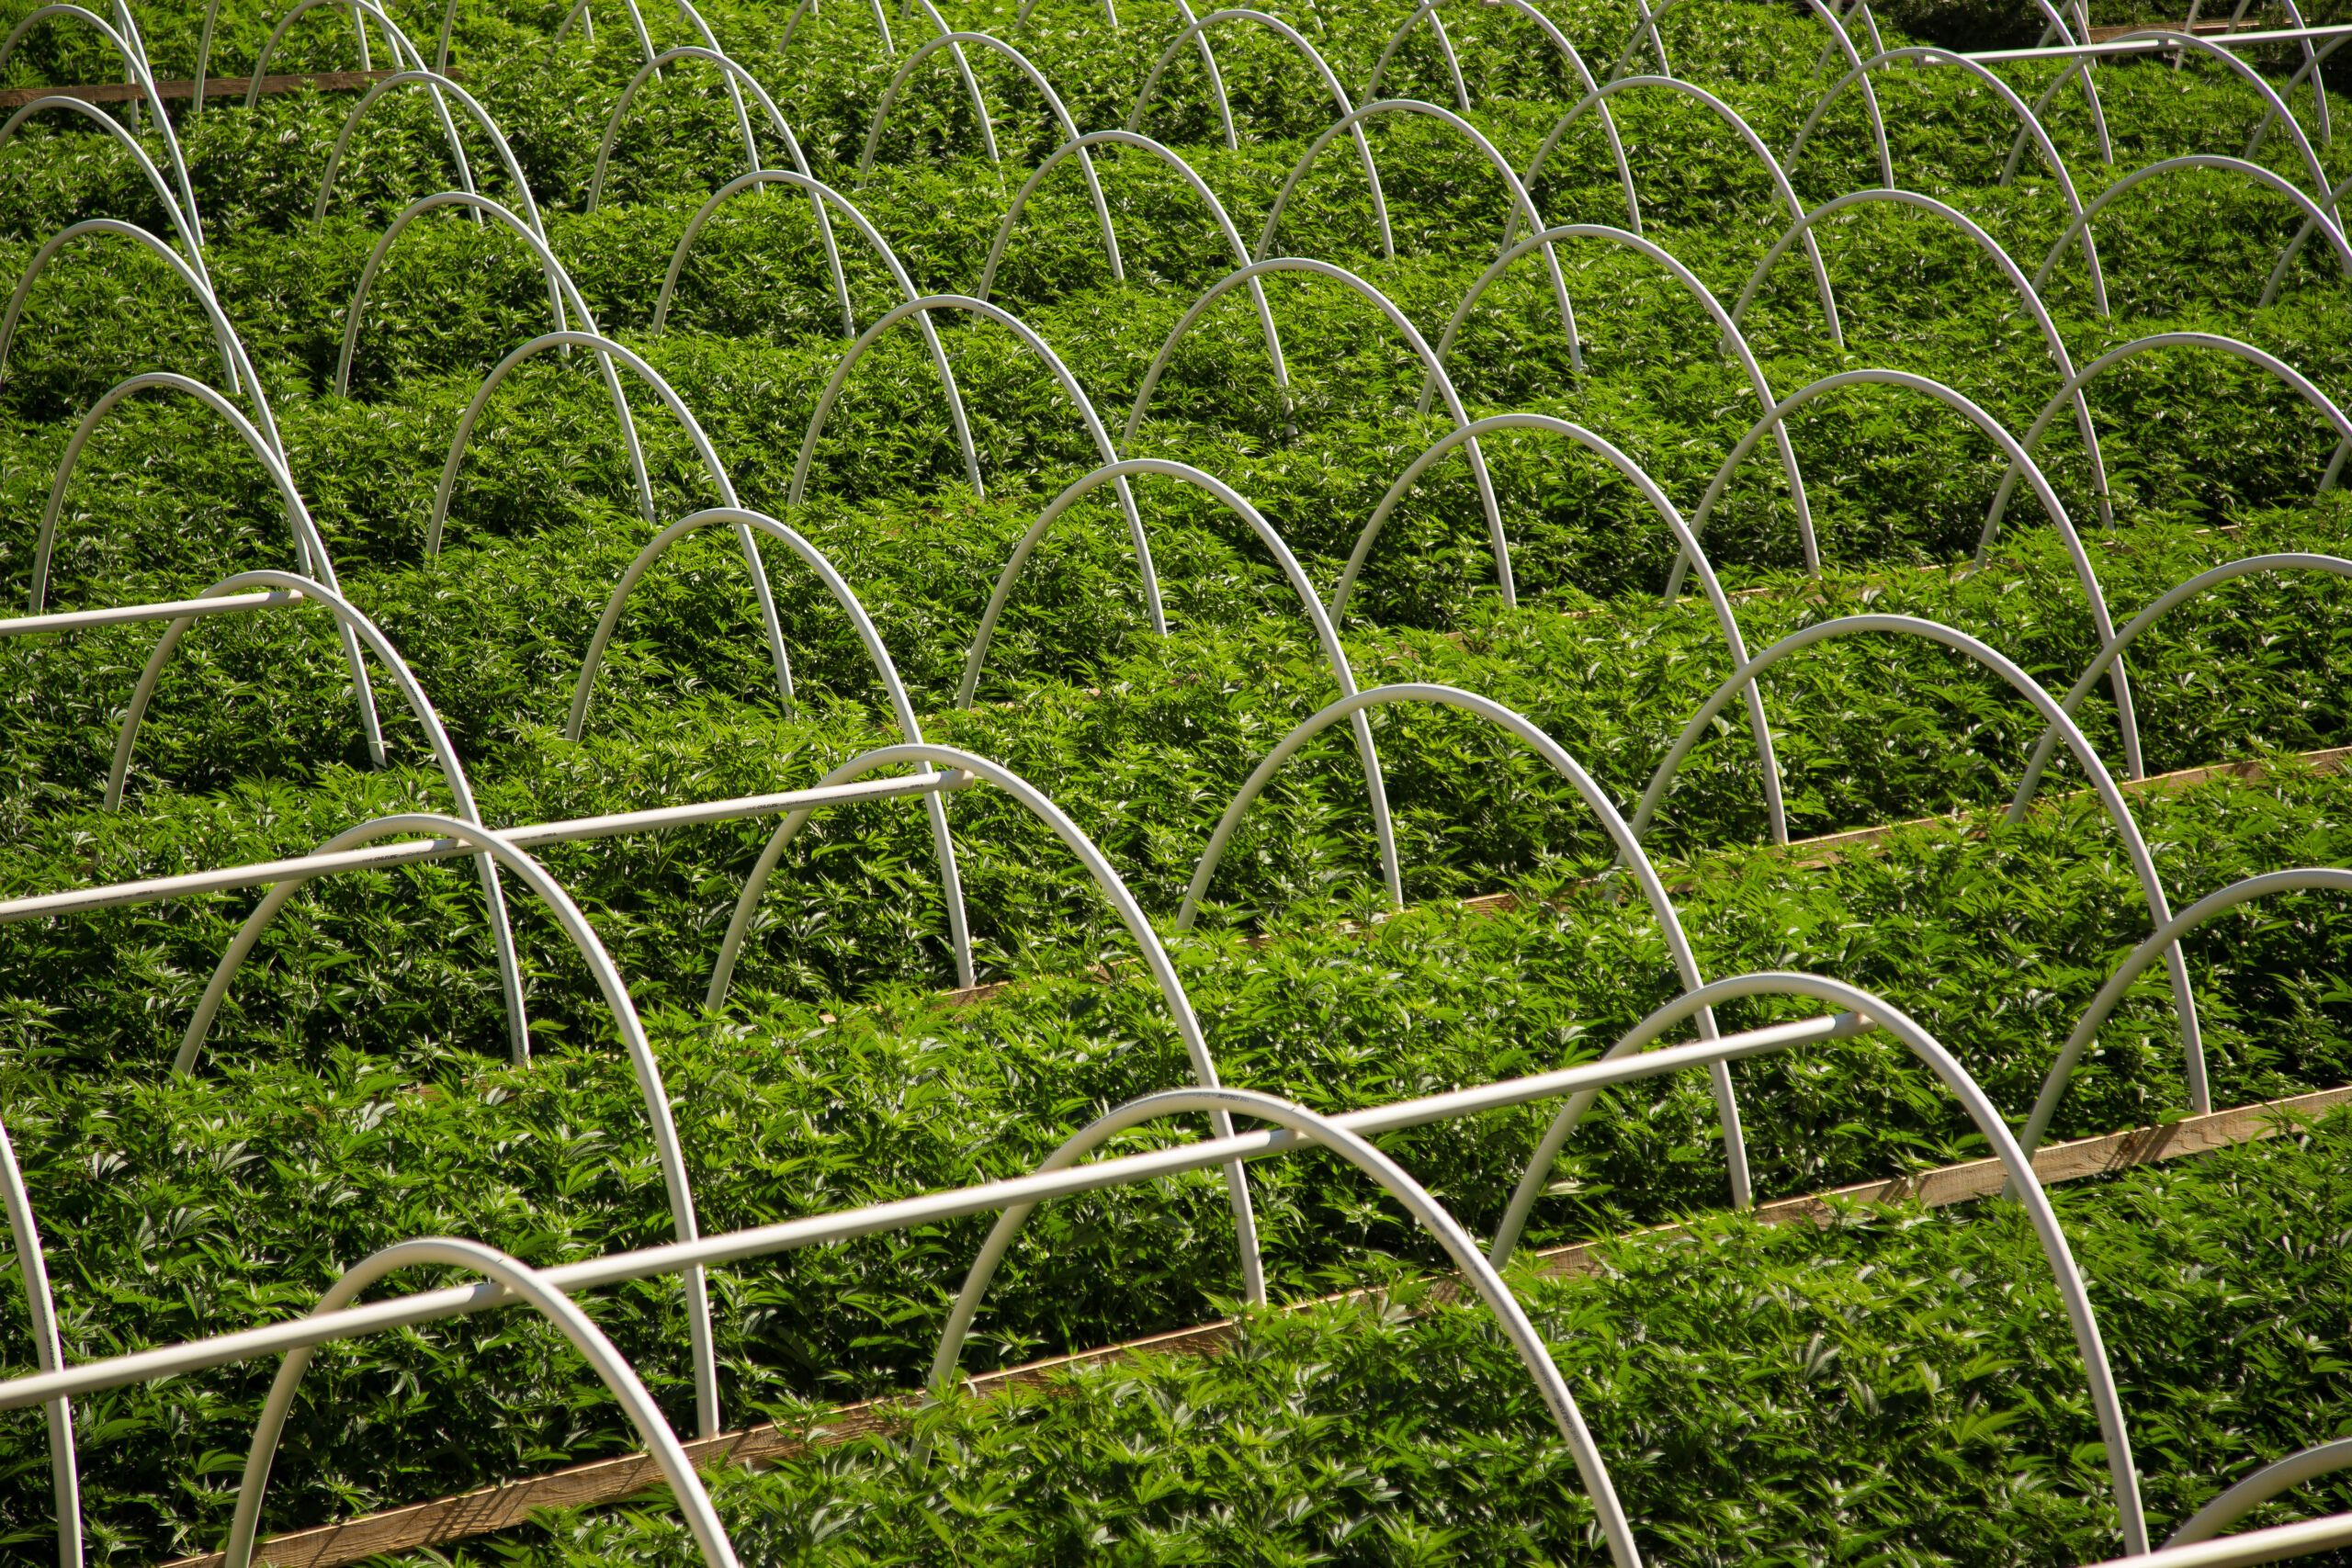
{"type": "Point", "coordinates": [503, 1506]}
{"type": "Point", "coordinates": [214, 87]}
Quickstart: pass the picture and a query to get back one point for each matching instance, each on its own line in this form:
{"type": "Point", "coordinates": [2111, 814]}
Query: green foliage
{"type": "Point", "coordinates": [350, 1097]}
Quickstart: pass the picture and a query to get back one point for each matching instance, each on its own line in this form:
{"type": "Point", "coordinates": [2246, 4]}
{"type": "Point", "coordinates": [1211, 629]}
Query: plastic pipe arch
{"type": "Point", "coordinates": [617, 1004]}
{"type": "Point", "coordinates": [2006, 1147]}
{"type": "Point", "coordinates": [2111, 798]}
{"type": "Point", "coordinates": [41, 1303]}
{"type": "Point", "coordinates": [453, 774]}
{"type": "Point", "coordinates": [1625, 839]}
{"type": "Point", "coordinates": [1532, 1352]}
{"type": "Point", "coordinates": [1155, 960]}
{"type": "Point", "coordinates": [950, 882]}
{"type": "Point", "coordinates": [569, 1319]}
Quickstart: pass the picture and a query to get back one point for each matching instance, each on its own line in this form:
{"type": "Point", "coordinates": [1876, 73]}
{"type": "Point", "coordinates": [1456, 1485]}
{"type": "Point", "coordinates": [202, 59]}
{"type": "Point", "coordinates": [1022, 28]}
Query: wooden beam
{"type": "Point", "coordinates": [214, 87]}
{"type": "Point", "coordinates": [503, 1506]}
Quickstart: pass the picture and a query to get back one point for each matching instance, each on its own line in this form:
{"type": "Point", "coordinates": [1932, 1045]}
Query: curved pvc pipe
{"type": "Point", "coordinates": [2165, 942]}
{"type": "Point", "coordinates": [437, 84]}
{"type": "Point", "coordinates": [1633, 472]}
{"type": "Point", "coordinates": [1522, 205]}
{"type": "Point", "coordinates": [2302, 237]}
{"type": "Point", "coordinates": [1044, 88]}
{"type": "Point", "coordinates": [825, 193]}
{"type": "Point", "coordinates": [1192, 181]}
{"type": "Point", "coordinates": [445, 754]}
{"type": "Point", "coordinates": [1730, 117]}
{"type": "Point", "coordinates": [403, 53]}
{"type": "Point", "coordinates": [1993, 430]}
{"type": "Point", "coordinates": [809, 8]}
{"type": "Point", "coordinates": [950, 882]}
{"type": "Point", "coordinates": [588, 27]}
{"type": "Point", "coordinates": [685, 416]}
{"type": "Point", "coordinates": [1036, 344]}
{"type": "Point", "coordinates": [236, 369]}
{"type": "Point", "coordinates": [2293, 380]}
{"type": "Point", "coordinates": [1626, 840]}
{"type": "Point", "coordinates": [1723, 321]}
{"type": "Point", "coordinates": [2027, 1189]}
{"type": "Point", "coordinates": [2051, 339]}
{"type": "Point", "coordinates": [1484, 1278]}
{"type": "Point", "coordinates": [2325, 1458]}
{"type": "Point", "coordinates": [1838, 40]}
{"type": "Point", "coordinates": [648, 1071]}
{"type": "Point", "coordinates": [310, 549]}
{"type": "Point", "coordinates": [2255, 172]}
{"type": "Point", "coordinates": [134, 63]}
{"type": "Point", "coordinates": [733, 72]}
{"type": "Point", "coordinates": [1326, 635]}
{"type": "Point", "coordinates": [1098, 866]}
{"type": "Point", "coordinates": [569, 1317]}
{"type": "Point", "coordinates": [1559, 41]}
{"type": "Point", "coordinates": [181, 221]}
{"type": "Point", "coordinates": [2030, 125]}
{"type": "Point", "coordinates": [2135, 846]}
{"type": "Point", "coordinates": [2321, 184]}
{"type": "Point", "coordinates": [560, 288]}
{"type": "Point", "coordinates": [49, 1355]}
{"type": "Point", "coordinates": [2336, 565]}
{"type": "Point", "coordinates": [1405, 329]}
{"type": "Point", "coordinates": [1330, 79]}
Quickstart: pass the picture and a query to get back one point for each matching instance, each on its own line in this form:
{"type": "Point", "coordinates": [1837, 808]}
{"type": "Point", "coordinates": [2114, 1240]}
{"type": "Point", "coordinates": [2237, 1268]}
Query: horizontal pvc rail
{"type": "Point", "coordinates": [128, 614]}
{"type": "Point", "coordinates": [40, 1306]}
{"type": "Point", "coordinates": [1327, 636]}
{"type": "Point", "coordinates": [2135, 845]}
{"type": "Point", "coordinates": [2293, 380]}
{"type": "Point", "coordinates": [2203, 582]}
{"type": "Point", "coordinates": [1036, 79]}
{"type": "Point", "coordinates": [531, 1288]}
{"type": "Point", "coordinates": [1410, 1195]}
{"type": "Point", "coordinates": [884, 1218]}
{"type": "Point", "coordinates": [1105, 451]}
{"type": "Point", "coordinates": [1111, 886]}
{"type": "Point", "coordinates": [2324, 1459]}
{"type": "Point", "coordinates": [2051, 339]}
{"type": "Point", "coordinates": [2254, 1546]}
{"type": "Point", "coordinates": [309, 548]}
{"type": "Point", "coordinates": [826, 194]}
{"type": "Point", "coordinates": [559, 288]}
{"type": "Point", "coordinates": [2163, 941]}
{"type": "Point", "coordinates": [1397, 317]}
{"type": "Point", "coordinates": [1198, 29]}
{"type": "Point", "coordinates": [1723, 321]}
{"type": "Point", "coordinates": [1193, 181]}
{"type": "Point", "coordinates": [2014, 1156]}
{"type": "Point", "coordinates": [1726, 622]}
{"type": "Point", "coordinates": [259, 873]}
{"type": "Point", "coordinates": [661, 389]}
{"type": "Point", "coordinates": [1625, 841]}
{"type": "Point", "coordinates": [1730, 117]}
{"type": "Point", "coordinates": [304, 589]}
{"type": "Point", "coordinates": [2126, 720]}
{"type": "Point", "coordinates": [2153, 42]}
{"type": "Point", "coordinates": [950, 882]}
